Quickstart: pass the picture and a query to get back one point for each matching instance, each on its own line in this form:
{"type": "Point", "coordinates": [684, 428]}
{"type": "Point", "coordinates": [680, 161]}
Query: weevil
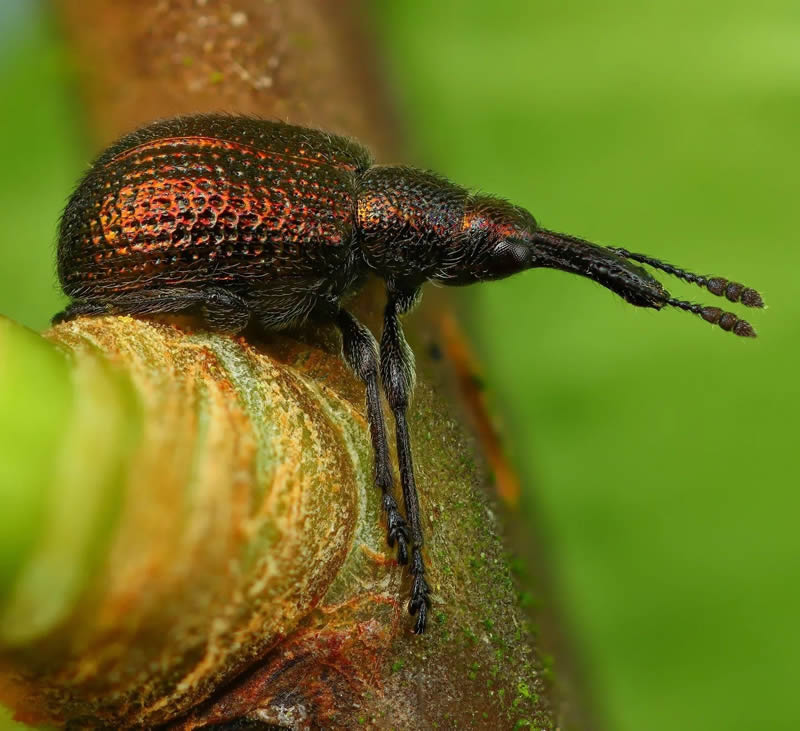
{"type": "Point", "coordinates": [241, 219]}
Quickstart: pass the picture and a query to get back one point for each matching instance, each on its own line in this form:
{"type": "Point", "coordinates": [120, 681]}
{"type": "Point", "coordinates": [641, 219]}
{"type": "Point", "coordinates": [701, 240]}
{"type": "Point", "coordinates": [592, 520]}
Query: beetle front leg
{"type": "Point", "coordinates": [361, 353]}
{"type": "Point", "coordinates": [397, 372]}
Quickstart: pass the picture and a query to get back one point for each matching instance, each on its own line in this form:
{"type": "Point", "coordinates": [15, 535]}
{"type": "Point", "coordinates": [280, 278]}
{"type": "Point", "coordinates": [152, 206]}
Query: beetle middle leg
{"type": "Point", "coordinates": [222, 309]}
{"type": "Point", "coordinates": [361, 353]}
{"type": "Point", "coordinates": [397, 372]}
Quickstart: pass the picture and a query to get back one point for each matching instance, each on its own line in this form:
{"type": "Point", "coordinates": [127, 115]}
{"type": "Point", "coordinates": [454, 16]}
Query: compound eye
{"type": "Point", "coordinates": [509, 257]}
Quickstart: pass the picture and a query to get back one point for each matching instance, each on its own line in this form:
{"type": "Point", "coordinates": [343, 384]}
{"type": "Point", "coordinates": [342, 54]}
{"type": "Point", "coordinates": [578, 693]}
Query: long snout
{"type": "Point", "coordinates": [570, 254]}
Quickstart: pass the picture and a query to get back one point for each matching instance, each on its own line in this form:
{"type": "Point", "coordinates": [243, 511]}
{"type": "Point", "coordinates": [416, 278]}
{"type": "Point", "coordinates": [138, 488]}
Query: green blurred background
{"type": "Point", "coordinates": [660, 452]}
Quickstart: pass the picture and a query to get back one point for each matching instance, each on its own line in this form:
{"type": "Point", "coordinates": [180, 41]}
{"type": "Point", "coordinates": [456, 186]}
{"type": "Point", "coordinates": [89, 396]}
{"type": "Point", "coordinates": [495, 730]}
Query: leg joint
{"type": "Point", "coordinates": [359, 347]}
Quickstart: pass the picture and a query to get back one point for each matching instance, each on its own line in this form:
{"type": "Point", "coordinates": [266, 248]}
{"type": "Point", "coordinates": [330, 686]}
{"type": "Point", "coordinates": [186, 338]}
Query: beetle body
{"type": "Point", "coordinates": [263, 209]}
{"type": "Point", "coordinates": [244, 219]}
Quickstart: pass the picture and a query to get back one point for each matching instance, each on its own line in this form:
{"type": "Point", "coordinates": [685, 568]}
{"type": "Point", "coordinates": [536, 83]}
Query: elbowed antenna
{"type": "Point", "coordinates": [726, 320]}
{"type": "Point", "coordinates": [734, 291]}
{"type": "Point", "coordinates": [719, 286]}
{"type": "Point", "coordinates": [611, 266]}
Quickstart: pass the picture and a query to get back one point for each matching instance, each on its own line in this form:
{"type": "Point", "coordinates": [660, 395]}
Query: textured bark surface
{"type": "Point", "coordinates": [245, 572]}
{"type": "Point", "coordinates": [305, 62]}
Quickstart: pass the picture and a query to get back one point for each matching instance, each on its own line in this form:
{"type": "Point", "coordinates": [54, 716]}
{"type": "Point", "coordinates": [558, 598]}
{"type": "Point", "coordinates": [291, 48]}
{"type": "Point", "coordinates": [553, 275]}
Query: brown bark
{"type": "Point", "coordinates": [271, 594]}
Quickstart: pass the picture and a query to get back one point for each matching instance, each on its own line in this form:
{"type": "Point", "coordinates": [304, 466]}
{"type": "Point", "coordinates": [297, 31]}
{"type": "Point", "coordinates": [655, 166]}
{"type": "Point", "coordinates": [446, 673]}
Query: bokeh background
{"type": "Point", "coordinates": [660, 453]}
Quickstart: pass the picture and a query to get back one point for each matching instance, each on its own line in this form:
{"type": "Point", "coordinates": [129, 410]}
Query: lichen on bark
{"type": "Point", "coordinates": [246, 536]}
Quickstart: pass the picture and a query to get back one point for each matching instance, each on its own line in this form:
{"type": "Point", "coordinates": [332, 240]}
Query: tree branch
{"type": "Point", "coordinates": [197, 538]}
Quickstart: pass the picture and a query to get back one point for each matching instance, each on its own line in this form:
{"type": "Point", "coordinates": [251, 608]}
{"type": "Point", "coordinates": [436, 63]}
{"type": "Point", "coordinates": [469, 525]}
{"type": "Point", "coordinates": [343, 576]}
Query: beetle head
{"type": "Point", "coordinates": [499, 239]}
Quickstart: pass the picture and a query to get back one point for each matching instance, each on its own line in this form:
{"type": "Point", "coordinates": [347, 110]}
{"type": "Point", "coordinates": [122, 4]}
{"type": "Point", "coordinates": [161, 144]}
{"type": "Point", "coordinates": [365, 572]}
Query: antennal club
{"type": "Point", "coordinates": [719, 286]}
{"type": "Point", "coordinates": [726, 320]}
